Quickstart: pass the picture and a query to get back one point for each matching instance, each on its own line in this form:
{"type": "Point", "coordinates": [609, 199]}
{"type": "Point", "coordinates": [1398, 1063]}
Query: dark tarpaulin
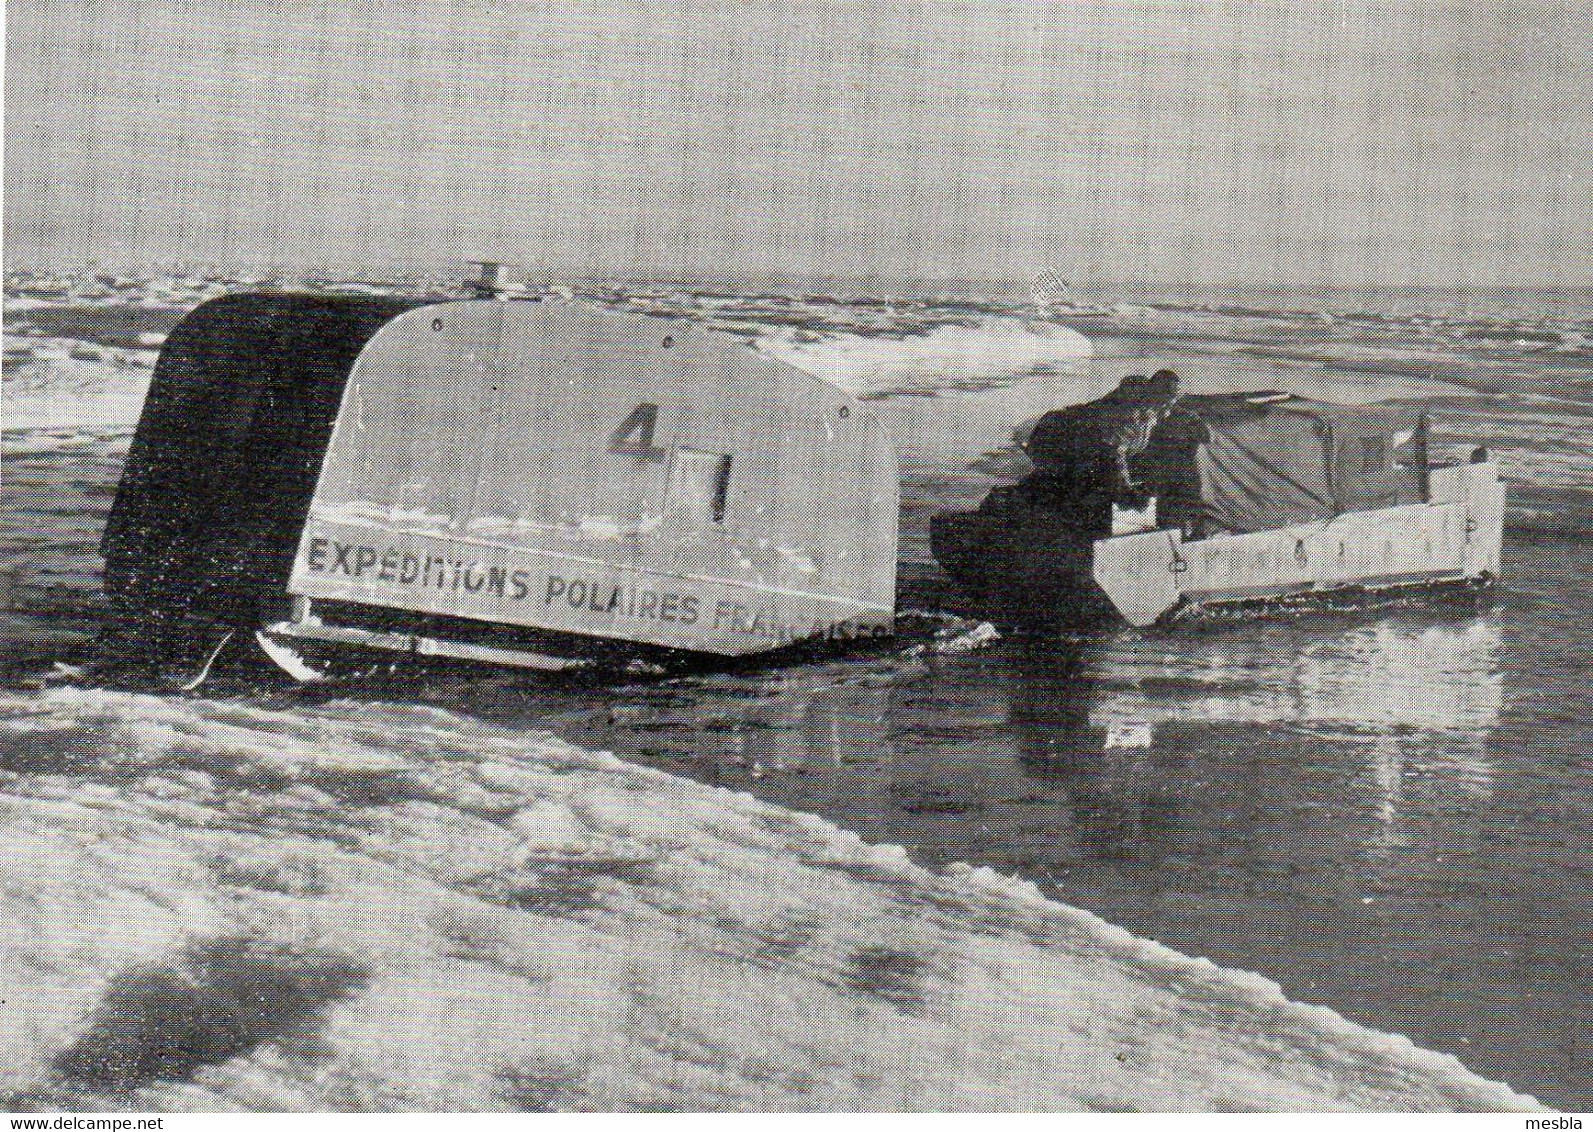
{"type": "Point", "coordinates": [220, 473]}
{"type": "Point", "coordinates": [1259, 461]}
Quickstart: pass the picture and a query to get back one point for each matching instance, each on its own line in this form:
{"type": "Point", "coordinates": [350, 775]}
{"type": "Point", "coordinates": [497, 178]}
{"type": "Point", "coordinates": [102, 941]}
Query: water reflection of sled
{"type": "Point", "coordinates": [1272, 498]}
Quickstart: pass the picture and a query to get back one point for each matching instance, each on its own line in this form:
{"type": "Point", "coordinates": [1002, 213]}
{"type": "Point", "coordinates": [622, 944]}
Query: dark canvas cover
{"type": "Point", "coordinates": [229, 445]}
{"type": "Point", "coordinates": [1379, 455]}
{"type": "Point", "coordinates": [1254, 462]}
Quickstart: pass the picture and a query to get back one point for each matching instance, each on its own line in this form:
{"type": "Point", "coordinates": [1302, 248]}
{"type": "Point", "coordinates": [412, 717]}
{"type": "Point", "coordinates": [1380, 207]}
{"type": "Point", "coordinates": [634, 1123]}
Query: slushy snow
{"type": "Point", "coordinates": [208, 905]}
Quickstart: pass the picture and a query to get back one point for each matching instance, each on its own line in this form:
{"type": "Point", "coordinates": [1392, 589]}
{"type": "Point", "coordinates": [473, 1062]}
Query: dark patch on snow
{"type": "Point", "coordinates": [567, 886]}
{"type": "Point", "coordinates": [65, 752]}
{"type": "Point", "coordinates": [887, 973]}
{"type": "Point", "coordinates": [230, 772]}
{"type": "Point", "coordinates": [541, 1085]}
{"type": "Point", "coordinates": [365, 789]}
{"type": "Point", "coordinates": [289, 876]}
{"type": "Point", "coordinates": [221, 998]}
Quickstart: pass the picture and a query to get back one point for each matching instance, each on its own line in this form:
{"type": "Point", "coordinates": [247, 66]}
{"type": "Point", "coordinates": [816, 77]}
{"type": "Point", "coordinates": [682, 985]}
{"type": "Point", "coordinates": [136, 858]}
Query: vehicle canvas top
{"type": "Point", "coordinates": [1260, 461]}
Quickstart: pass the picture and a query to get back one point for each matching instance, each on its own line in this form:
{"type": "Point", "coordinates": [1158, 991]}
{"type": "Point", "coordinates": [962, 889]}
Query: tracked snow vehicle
{"type": "Point", "coordinates": [1262, 499]}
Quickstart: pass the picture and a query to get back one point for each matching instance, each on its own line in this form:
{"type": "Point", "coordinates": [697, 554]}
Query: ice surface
{"type": "Point", "coordinates": [994, 350]}
{"type": "Point", "coordinates": [69, 389]}
{"type": "Point", "coordinates": [209, 905]}
{"type": "Point", "coordinates": [397, 908]}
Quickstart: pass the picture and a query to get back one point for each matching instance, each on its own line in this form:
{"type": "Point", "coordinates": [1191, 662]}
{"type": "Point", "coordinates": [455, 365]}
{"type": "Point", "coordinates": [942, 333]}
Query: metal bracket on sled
{"type": "Point", "coordinates": [306, 626]}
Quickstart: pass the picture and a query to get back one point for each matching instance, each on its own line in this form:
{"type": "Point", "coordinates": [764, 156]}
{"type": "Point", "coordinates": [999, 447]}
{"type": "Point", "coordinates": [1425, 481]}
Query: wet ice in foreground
{"type": "Point", "coordinates": [209, 905]}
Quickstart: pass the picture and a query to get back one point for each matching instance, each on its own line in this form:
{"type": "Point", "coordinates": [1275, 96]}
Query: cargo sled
{"type": "Point", "coordinates": [1260, 498]}
{"type": "Point", "coordinates": [528, 483]}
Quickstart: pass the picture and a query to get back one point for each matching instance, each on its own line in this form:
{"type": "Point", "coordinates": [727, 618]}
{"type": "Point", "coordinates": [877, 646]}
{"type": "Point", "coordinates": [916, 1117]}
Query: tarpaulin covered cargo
{"type": "Point", "coordinates": [1260, 461]}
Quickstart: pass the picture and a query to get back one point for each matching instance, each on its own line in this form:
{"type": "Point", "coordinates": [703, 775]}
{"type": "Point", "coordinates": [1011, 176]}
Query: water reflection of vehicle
{"type": "Point", "coordinates": [1381, 677]}
{"type": "Point", "coordinates": [1135, 749]}
{"type": "Point", "coordinates": [1264, 497]}
{"type": "Point", "coordinates": [1380, 724]}
{"type": "Point", "coordinates": [1115, 795]}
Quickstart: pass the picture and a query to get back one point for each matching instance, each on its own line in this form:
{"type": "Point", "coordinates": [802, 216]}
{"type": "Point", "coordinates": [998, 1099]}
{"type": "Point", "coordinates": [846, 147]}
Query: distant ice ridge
{"type": "Point", "coordinates": [996, 349]}
{"type": "Point", "coordinates": [400, 908]}
{"type": "Point", "coordinates": [65, 389]}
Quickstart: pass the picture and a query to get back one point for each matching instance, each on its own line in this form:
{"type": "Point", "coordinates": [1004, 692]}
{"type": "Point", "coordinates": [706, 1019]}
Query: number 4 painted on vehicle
{"type": "Point", "coordinates": [634, 437]}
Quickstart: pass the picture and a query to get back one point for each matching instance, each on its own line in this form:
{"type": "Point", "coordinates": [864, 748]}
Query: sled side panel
{"type": "Point", "coordinates": [561, 466]}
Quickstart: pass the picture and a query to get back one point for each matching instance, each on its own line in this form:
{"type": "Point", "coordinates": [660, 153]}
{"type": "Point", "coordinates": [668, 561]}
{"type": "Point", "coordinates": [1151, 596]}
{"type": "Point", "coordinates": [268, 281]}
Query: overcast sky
{"type": "Point", "coordinates": [1449, 143]}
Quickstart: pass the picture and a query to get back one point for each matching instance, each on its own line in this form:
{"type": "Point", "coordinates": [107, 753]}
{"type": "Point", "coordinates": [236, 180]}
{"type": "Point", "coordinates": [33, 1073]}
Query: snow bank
{"type": "Point", "coordinates": [994, 351]}
{"type": "Point", "coordinates": [210, 906]}
{"type": "Point", "coordinates": [68, 391]}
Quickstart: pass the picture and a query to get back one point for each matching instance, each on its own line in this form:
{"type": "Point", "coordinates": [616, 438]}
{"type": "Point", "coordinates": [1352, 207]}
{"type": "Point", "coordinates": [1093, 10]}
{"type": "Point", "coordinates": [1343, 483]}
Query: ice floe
{"type": "Point", "coordinates": [211, 905]}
